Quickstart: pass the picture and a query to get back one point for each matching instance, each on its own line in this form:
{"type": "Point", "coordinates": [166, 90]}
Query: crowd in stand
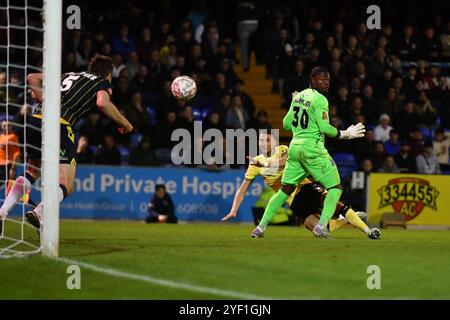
{"type": "Point", "coordinates": [394, 80]}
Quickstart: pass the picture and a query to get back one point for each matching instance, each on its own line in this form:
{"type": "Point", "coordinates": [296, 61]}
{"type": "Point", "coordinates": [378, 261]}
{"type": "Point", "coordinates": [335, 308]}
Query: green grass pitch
{"type": "Point", "coordinates": [132, 260]}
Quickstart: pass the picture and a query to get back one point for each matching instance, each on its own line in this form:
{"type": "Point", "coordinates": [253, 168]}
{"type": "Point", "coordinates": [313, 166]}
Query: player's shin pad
{"type": "Point", "coordinates": [356, 221]}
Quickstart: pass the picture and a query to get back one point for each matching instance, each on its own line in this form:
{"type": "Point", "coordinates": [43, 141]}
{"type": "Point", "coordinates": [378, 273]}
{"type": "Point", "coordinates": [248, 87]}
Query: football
{"type": "Point", "coordinates": [184, 88]}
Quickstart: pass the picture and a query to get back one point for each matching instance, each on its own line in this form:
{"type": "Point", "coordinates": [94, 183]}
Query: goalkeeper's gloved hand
{"type": "Point", "coordinates": [353, 132]}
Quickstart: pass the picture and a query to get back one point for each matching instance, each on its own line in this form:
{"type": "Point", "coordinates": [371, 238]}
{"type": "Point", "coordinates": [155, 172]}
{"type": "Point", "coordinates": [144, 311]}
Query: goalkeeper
{"type": "Point", "coordinates": [307, 200]}
{"type": "Point", "coordinates": [308, 120]}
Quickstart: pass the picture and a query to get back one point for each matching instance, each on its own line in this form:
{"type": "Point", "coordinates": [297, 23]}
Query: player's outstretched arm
{"type": "Point", "coordinates": [238, 198]}
{"type": "Point", "coordinates": [35, 82]}
{"type": "Point", "coordinates": [111, 111]}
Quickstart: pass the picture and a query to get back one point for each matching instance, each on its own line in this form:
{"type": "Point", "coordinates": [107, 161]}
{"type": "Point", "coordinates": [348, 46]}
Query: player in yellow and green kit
{"type": "Point", "coordinates": [308, 120]}
{"type": "Point", "coordinates": [306, 201]}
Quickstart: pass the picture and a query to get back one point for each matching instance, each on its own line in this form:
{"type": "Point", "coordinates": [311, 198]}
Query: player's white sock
{"type": "Point", "coordinates": [21, 185]}
{"type": "Point", "coordinates": [341, 217]}
{"type": "Point", "coordinates": [40, 207]}
{"type": "Point", "coordinates": [366, 230]}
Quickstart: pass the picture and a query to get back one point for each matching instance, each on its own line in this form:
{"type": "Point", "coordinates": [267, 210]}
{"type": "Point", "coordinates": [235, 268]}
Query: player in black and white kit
{"type": "Point", "coordinates": [80, 93]}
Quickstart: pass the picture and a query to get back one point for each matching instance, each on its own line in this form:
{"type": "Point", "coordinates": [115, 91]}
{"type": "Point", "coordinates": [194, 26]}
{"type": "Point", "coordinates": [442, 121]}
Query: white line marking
{"type": "Point", "coordinates": [165, 282]}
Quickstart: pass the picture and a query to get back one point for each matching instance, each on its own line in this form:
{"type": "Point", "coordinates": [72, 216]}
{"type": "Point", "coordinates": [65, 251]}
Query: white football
{"type": "Point", "coordinates": [184, 88]}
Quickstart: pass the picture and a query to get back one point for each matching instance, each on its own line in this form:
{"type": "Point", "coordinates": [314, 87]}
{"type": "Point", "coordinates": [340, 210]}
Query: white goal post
{"type": "Point", "coordinates": [51, 126]}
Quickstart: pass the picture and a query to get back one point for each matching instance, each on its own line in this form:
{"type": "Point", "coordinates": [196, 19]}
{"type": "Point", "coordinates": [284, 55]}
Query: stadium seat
{"type": "Point", "coordinates": [344, 158]}
{"type": "Point", "coordinates": [163, 155]}
{"type": "Point", "coordinates": [206, 112]}
{"type": "Point", "coordinates": [151, 111]}
{"type": "Point", "coordinates": [426, 132]}
{"type": "Point", "coordinates": [135, 140]}
{"type": "Point", "coordinates": [94, 149]}
{"type": "Point", "coordinates": [124, 155]}
{"type": "Point", "coordinates": [197, 113]}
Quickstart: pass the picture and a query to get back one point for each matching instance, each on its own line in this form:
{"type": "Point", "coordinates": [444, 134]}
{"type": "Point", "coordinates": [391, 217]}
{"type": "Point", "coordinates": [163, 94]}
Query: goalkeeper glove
{"type": "Point", "coordinates": [353, 132]}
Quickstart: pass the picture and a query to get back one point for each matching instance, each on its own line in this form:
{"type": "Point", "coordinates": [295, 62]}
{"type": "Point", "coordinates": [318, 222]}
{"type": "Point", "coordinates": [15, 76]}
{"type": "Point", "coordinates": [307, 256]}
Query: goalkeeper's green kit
{"type": "Point", "coordinates": [309, 122]}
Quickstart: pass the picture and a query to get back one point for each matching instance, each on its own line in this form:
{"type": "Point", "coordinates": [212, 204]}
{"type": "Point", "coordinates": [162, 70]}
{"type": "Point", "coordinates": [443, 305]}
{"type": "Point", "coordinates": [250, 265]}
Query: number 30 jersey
{"type": "Point", "coordinates": [78, 95]}
{"type": "Point", "coordinates": [308, 118]}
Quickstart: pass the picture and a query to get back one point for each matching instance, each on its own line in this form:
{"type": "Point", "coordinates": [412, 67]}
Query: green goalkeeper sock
{"type": "Point", "coordinates": [277, 200]}
{"type": "Point", "coordinates": [329, 205]}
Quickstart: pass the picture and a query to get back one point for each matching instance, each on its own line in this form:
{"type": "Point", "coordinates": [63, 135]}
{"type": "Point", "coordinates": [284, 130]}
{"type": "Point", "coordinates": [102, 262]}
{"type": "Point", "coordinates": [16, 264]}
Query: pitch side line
{"type": "Point", "coordinates": [164, 282]}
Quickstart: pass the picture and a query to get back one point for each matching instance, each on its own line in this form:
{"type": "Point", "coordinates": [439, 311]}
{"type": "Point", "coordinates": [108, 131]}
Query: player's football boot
{"type": "Point", "coordinates": [33, 219]}
{"type": "Point", "coordinates": [258, 232]}
{"type": "Point", "coordinates": [321, 231]}
{"type": "Point", "coordinates": [374, 234]}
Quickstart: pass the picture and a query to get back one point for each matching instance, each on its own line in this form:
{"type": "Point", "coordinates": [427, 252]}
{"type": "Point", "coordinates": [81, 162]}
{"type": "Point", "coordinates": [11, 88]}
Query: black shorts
{"type": "Point", "coordinates": [67, 149]}
{"type": "Point", "coordinates": [307, 201]}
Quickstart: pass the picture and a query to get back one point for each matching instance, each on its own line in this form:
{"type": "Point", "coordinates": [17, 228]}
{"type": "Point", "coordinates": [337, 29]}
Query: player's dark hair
{"type": "Point", "coordinates": [101, 65]}
{"type": "Point", "coordinates": [317, 70]}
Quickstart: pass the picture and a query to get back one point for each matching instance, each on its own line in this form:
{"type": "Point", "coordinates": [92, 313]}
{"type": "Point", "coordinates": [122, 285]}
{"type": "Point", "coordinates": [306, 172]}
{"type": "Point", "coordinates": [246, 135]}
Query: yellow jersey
{"type": "Point", "coordinates": [272, 175]}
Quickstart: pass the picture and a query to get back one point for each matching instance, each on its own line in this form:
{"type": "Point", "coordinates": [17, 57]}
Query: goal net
{"type": "Point", "coordinates": [30, 42]}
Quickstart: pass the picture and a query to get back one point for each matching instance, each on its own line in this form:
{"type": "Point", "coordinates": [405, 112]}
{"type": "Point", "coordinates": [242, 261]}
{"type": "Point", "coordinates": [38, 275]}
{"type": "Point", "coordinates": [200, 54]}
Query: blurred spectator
{"type": "Point", "coordinates": [261, 122]}
{"type": "Point", "coordinates": [161, 208]}
{"type": "Point", "coordinates": [296, 81]}
{"type": "Point", "coordinates": [425, 110]}
{"type": "Point", "coordinates": [141, 81]}
{"type": "Point", "coordinates": [118, 65]}
{"type": "Point", "coordinates": [427, 162]}
{"type": "Point", "coordinates": [2, 87]}
{"type": "Point", "coordinates": [370, 104]}
{"type": "Point", "coordinates": [247, 25]}
{"type": "Point", "coordinates": [342, 100]}
{"type": "Point", "coordinates": [165, 129]}
{"type": "Point", "coordinates": [392, 146]}
{"type": "Point", "coordinates": [9, 153]}
{"type": "Point", "coordinates": [405, 160]}
{"type": "Point", "coordinates": [132, 64]}
{"type": "Point", "coordinates": [143, 154]}
{"type": "Point", "coordinates": [441, 147]}
{"type": "Point", "coordinates": [145, 45]}
{"type": "Point", "coordinates": [407, 44]}
{"type": "Point", "coordinates": [93, 128]}
{"type": "Point", "coordinates": [367, 166]}
{"type": "Point", "coordinates": [416, 142]}
{"type": "Point", "coordinates": [356, 110]}
{"type": "Point", "coordinates": [237, 116]}
{"type": "Point", "coordinates": [107, 153]}
{"type": "Point", "coordinates": [20, 119]}
{"type": "Point", "coordinates": [364, 147]}
{"type": "Point", "coordinates": [406, 120]}
{"type": "Point", "coordinates": [383, 128]}
{"type": "Point", "coordinates": [429, 46]}
{"type": "Point", "coordinates": [69, 64]}
{"type": "Point", "coordinates": [137, 113]}
{"type": "Point", "coordinates": [85, 53]}
{"type": "Point", "coordinates": [247, 101]}
{"type": "Point", "coordinates": [85, 155]}
{"type": "Point", "coordinates": [389, 166]}
{"type": "Point", "coordinates": [122, 43]}
{"type": "Point", "coordinates": [391, 105]}
{"type": "Point", "coordinates": [213, 121]}
{"type": "Point", "coordinates": [379, 155]}
{"type": "Point", "coordinates": [165, 102]}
